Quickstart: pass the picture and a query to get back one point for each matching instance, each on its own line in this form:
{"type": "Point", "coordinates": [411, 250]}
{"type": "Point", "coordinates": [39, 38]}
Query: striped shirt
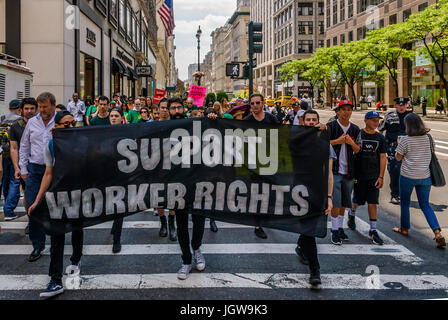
{"type": "Point", "coordinates": [417, 156]}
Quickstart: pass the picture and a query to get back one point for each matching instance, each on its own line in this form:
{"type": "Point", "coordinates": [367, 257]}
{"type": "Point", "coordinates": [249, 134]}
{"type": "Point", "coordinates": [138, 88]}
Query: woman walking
{"type": "Point", "coordinates": [414, 150]}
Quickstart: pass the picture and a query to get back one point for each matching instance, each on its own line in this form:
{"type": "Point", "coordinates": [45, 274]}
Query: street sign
{"type": "Point", "coordinates": [233, 70]}
{"type": "Point", "coordinates": [143, 71]}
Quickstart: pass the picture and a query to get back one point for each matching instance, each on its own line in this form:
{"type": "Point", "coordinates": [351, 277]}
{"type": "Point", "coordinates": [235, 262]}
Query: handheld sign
{"type": "Point", "coordinates": [198, 94]}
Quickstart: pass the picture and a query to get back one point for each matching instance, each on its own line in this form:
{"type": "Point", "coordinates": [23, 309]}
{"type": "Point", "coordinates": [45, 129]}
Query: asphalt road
{"type": "Point", "coordinates": [240, 265]}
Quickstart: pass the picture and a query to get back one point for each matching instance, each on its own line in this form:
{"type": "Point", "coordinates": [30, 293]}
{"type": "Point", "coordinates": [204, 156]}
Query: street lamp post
{"type": "Point", "coordinates": [198, 35]}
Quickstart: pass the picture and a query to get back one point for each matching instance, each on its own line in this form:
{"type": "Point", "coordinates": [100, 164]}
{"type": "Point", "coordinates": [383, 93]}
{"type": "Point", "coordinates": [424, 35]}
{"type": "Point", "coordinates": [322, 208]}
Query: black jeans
{"type": "Point", "coordinates": [117, 227]}
{"type": "Point", "coordinates": [309, 247]}
{"type": "Point", "coordinates": [57, 254]}
{"type": "Point", "coordinates": [183, 235]}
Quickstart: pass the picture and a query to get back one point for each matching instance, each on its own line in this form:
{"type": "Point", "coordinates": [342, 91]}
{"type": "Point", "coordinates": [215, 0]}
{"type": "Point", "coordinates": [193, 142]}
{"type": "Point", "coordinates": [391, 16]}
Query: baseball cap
{"type": "Point", "coordinates": [343, 103]}
{"type": "Point", "coordinates": [61, 114]}
{"type": "Point", "coordinates": [372, 115]}
{"type": "Point", "coordinates": [402, 101]}
{"type": "Point", "coordinates": [14, 104]}
{"type": "Point", "coordinates": [227, 116]}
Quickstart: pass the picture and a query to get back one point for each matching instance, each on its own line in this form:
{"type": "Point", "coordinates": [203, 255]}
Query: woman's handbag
{"type": "Point", "coordinates": [437, 177]}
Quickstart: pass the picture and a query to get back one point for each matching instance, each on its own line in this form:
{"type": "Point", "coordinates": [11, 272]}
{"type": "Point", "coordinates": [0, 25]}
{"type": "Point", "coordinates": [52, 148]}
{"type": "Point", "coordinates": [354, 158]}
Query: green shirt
{"type": "Point", "coordinates": [97, 121]}
{"type": "Point", "coordinates": [133, 116]}
{"type": "Point", "coordinates": [91, 110]}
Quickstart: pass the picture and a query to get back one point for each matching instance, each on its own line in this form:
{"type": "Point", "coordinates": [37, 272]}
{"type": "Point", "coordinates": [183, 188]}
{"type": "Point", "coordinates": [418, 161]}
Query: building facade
{"type": "Point", "coordinates": [219, 59]}
{"type": "Point", "coordinates": [349, 20]}
{"type": "Point", "coordinates": [92, 47]}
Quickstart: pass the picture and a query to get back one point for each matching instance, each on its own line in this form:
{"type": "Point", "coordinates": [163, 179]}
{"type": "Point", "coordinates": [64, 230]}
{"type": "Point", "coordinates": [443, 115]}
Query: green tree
{"type": "Point", "coordinates": [221, 95]}
{"type": "Point", "coordinates": [386, 46]}
{"type": "Point", "coordinates": [430, 28]}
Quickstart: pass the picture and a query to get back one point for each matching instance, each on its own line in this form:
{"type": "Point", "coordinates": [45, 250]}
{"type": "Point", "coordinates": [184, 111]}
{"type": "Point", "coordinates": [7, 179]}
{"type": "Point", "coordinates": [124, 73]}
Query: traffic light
{"type": "Point", "coordinates": [255, 37]}
{"type": "Point", "coordinates": [246, 71]}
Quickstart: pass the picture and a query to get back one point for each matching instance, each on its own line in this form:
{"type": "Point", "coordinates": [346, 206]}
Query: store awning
{"type": "Point", "coordinates": [132, 74]}
{"type": "Point", "coordinates": [118, 66]}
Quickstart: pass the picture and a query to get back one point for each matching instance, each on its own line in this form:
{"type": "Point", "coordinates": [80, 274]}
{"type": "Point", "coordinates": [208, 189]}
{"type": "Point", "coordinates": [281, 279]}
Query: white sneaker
{"type": "Point", "coordinates": [11, 218]}
{"type": "Point", "coordinates": [199, 260]}
{"type": "Point", "coordinates": [184, 271]}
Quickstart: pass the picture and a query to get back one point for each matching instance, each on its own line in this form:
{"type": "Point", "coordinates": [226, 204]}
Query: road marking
{"type": "Point", "coordinates": [231, 248]}
{"type": "Point", "coordinates": [126, 225]}
{"type": "Point", "coordinates": [443, 155]}
{"type": "Point", "coordinates": [230, 280]}
{"type": "Point", "coordinates": [444, 131]}
{"type": "Point", "coordinates": [440, 141]}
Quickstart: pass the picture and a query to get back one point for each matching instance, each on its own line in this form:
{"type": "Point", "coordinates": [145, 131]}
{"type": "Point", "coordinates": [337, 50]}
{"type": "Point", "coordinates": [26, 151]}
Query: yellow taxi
{"type": "Point", "coordinates": [270, 102]}
{"type": "Point", "coordinates": [284, 100]}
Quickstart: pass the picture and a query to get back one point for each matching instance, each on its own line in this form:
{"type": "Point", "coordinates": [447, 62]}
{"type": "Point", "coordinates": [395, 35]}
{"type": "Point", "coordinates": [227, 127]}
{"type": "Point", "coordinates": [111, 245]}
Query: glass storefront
{"type": "Point", "coordinates": [426, 82]}
{"type": "Point", "coordinates": [89, 76]}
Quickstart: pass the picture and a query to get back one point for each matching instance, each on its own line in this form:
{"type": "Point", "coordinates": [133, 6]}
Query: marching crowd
{"type": "Point", "coordinates": [358, 161]}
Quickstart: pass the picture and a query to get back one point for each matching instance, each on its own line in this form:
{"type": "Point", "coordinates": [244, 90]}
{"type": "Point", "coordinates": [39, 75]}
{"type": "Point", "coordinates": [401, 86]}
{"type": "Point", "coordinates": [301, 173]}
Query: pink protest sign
{"type": "Point", "coordinates": [198, 95]}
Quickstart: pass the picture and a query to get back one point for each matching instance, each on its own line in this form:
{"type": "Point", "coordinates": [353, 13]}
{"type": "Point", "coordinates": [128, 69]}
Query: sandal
{"type": "Point", "coordinates": [401, 231]}
{"type": "Point", "coordinates": [440, 242]}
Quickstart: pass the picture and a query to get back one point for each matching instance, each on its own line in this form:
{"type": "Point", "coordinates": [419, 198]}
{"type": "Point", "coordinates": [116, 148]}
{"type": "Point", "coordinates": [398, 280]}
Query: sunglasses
{"type": "Point", "coordinates": [255, 103]}
{"type": "Point", "coordinates": [143, 112]}
{"type": "Point", "coordinates": [68, 123]}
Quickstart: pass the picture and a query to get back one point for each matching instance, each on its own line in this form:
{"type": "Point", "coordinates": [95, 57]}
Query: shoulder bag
{"type": "Point", "coordinates": [437, 177]}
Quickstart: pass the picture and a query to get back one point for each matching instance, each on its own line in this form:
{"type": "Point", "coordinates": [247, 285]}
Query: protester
{"type": "Point", "coordinates": [370, 164]}
{"type": "Point", "coordinates": [225, 105]}
{"type": "Point", "coordinates": [63, 119]}
{"type": "Point", "coordinates": [217, 108]}
{"type": "Point", "coordinates": [32, 161]}
{"type": "Point", "coordinates": [278, 112]}
{"type": "Point", "coordinates": [164, 113]}
{"type": "Point", "coordinates": [155, 112]}
{"type": "Point", "coordinates": [60, 107]}
{"type": "Point", "coordinates": [177, 112]}
{"type": "Point", "coordinates": [149, 103]}
{"type": "Point", "coordinates": [10, 185]}
{"type": "Point", "coordinates": [306, 246]}
{"type": "Point", "coordinates": [92, 111]}
{"type": "Point", "coordinates": [116, 116]}
{"type": "Point", "coordinates": [290, 117]}
{"type": "Point", "coordinates": [210, 104]}
{"type": "Point", "coordinates": [305, 103]}
{"type": "Point", "coordinates": [342, 134]}
{"type": "Point", "coordinates": [102, 119]}
{"type": "Point", "coordinates": [134, 113]}
{"type": "Point", "coordinates": [29, 107]}
{"type": "Point", "coordinates": [77, 108]}
{"type": "Point", "coordinates": [144, 113]}
{"type": "Point", "coordinates": [414, 150]}
{"type": "Point", "coordinates": [393, 124]}
{"type": "Point", "coordinates": [189, 104]}
{"type": "Point", "coordinates": [257, 114]}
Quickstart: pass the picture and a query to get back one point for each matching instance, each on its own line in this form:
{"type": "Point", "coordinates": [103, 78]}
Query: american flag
{"type": "Point", "coordinates": [167, 15]}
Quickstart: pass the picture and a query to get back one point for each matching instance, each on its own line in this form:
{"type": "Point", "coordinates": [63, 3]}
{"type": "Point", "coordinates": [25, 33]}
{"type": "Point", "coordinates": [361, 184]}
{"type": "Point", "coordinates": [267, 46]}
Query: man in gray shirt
{"type": "Point", "coordinates": [78, 109]}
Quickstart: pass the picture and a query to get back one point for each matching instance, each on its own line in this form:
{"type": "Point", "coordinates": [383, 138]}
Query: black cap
{"type": "Point", "coordinates": [402, 101]}
{"type": "Point", "coordinates": [14, 104]}
{"type": "Point", "coordinates": [60, 115]}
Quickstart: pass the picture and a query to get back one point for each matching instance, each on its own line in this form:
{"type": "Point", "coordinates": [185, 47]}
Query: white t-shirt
{"type": "Point", "coordinates": [343, 161]}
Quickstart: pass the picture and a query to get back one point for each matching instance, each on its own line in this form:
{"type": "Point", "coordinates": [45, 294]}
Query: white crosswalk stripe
{"type": "Point", "coordinates": [226, 279]}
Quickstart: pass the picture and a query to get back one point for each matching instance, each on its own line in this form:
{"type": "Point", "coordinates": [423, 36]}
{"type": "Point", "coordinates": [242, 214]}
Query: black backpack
{"type": "Point", "coordinates": [5, 126]}
{"type": "Point", "coordinates": [303, 105]}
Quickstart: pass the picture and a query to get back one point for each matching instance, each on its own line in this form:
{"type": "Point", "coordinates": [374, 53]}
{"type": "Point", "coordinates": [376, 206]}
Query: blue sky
{"type": "Point", "coordinates": [188, 16]}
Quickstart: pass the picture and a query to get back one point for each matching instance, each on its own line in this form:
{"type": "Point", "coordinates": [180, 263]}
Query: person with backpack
{"type": "Point", "coordinates": [305, 103]}
{"type": "Point", "coordinates": [11, 186]}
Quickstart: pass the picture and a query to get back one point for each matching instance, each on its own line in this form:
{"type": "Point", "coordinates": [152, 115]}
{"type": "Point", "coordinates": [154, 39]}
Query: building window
{"type": "Point", "coordinates": [290, 47]}
{"type": "Point", "coordinates": [406, 14]}
{"type": "Point", "coordinates": [123, 17]}
{"type": "Point", "coordinates": [335, 41]}
{"type": "Point", "coordinates": [342, 38]}
{"type": "Point", "coordinates": [113, 12]}
{"type": "Point", "coordinates": [321, 27]}
{"type": "Point", "coordinates": [364, 4]}
{"type": "Point", "coordinates": [305, 27]}
{"type": "Point", "coordinates": [328, 43]}
{"type": "Point", "coordinates": [305, 46]}
{"type": "Point", "coordinates": [350, 8]}
{"type": "Point", "coordinates": [381, 23]}
{"type": "Point", "coordinates": [328, 13]}
{"type": "Point", "coordinates": [321, 43]}
{"type": "Point", "coordinates": [423, 6]}
{"type": "Point", "coordinates": [321, 8]}
{"type": "Point", "coordinates": [342, 8]}
{"type": "Point", "coordinates": [305, 9]}
{"type": "Point", "coordinates": [129, 22]}
{"type": "Point", "coordinates": [350, 36]}
{"type": "Point", "coordinates": [2, 47]}
{"type": "Point", "coordinates": [290, 30]}
{"type": "Point", "coordinates": [393, 19]}
{"type": "Point", "coordinates": [335, 11]}
{"type": "Point", "coordinates": [361, 32]}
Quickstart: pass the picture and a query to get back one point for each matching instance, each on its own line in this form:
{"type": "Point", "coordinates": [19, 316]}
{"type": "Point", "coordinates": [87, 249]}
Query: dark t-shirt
{"type": "Point", "coordinates": [268, 118]}
{"type": "Point", "coordinates": [16, 131]}
{"type": "Point", "coordinates": [367, 161]}
{"type": "Point", "coordinates": [97, 121]}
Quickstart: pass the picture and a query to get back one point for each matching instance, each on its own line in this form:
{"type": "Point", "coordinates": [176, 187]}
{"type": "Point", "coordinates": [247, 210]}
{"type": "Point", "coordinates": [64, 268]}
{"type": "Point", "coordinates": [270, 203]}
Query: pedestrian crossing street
{"type": "Point", "coordinates": [235, 258]}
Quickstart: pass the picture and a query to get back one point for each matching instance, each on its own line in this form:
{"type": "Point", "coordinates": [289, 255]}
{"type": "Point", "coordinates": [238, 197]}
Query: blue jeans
{"type": "Point", "coordinates": [33, 181]}
{"type": "Point", "coordinates": [394, 168]}
{"type": "Point", "coordinates": [423, 188]}
{"type": "Point", "coordinates": [11, 188]}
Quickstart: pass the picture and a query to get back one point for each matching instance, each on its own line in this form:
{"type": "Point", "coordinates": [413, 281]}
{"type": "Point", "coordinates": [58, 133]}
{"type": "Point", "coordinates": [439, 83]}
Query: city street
{"type": "Point", "coordinates": [242, 266]}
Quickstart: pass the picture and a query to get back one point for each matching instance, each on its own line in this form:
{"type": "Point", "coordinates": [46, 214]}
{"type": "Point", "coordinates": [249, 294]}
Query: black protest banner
{"type": "Point", "coordinates": [234, 171]}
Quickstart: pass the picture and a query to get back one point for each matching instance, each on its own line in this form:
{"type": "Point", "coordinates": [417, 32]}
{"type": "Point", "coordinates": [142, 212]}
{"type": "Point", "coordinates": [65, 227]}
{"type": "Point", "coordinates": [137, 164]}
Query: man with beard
{"type": "Point", "coordinates": [177, 112]}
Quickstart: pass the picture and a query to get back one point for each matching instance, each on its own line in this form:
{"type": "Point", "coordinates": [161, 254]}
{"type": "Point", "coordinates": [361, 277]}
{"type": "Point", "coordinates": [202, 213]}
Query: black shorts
{"type": "Point", "coordinates": [365, 191]}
